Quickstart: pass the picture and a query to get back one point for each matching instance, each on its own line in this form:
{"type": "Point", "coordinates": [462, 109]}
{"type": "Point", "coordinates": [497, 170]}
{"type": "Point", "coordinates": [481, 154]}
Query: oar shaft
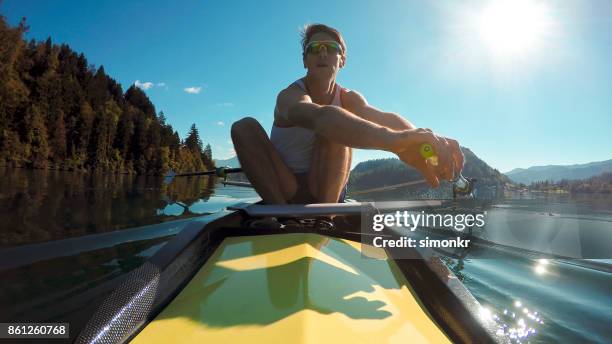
{"type": "Point", "coordinates": [233, 183]}
{"type": "Point", "coordinates": [218, 172]}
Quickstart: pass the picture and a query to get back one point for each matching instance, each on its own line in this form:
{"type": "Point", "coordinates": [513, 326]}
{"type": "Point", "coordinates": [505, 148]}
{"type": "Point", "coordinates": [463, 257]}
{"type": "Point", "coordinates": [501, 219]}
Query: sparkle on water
{"type": "Point", "coordinates": [517, 329]}
{"type": "Point", "coordinates": [540, 267]}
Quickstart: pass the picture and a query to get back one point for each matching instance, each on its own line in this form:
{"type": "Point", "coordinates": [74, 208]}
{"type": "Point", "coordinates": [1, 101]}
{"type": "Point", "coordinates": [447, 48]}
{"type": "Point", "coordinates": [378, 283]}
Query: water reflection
{"type": "Point", "coordinates": [67, 239]}
{"type": "Point", "coordinates": [213, 204]}
{"type": "Point", "coordinates": [43, 205]}
{"type": "Point", "coordinates": [34, 293]}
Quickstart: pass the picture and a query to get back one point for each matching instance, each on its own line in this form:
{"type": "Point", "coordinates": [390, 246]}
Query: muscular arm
{"type": "Point", "coordinates": [332, 122]}
{"type": "Point", "coordinates": [357, 104]}
{"type": "Point", "coordinates": [384, 131]}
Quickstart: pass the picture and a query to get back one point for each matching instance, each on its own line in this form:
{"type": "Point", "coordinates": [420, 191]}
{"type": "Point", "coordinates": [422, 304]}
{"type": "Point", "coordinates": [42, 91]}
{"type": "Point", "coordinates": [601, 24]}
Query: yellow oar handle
{"type": "Point", "coordinates": [427, 152]}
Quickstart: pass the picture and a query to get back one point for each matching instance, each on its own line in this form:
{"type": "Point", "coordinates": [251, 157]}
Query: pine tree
{"type": "Point", "coordinates": [137, 98]}
{"type": "Point", "coordinates": [97, 92]}
{"type": "Point", "coordinates": [125, 130]}
{"type": "Point", "coordinates": [36, 138]}
{"type": "Point", "coordinates": [82, 127]}
{"type": "Point", "coordinates": [59, 149]}
{"type": "Point", "coordinates": [12, 152]}
{"type": "Point", "coordinates": [193, 141]}
{"type": "Point", "coordinates": [207, 157]}
{"type": "Point", "coordinates": [139, 139]}
{"type": "Point", "coordinates": [99, 155]}
{"type": "Point", "coordinates": [164, 160]}
{"type": "Point", "coordinates": [161, 118]}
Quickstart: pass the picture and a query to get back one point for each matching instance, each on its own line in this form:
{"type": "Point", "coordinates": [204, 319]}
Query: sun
{"type": "Point", "coordinates": [513, 27]}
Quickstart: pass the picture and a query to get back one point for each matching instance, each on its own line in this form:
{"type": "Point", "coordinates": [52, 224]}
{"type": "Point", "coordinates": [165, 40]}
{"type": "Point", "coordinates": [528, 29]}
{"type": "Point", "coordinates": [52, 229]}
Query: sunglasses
{"type": "Point", "coordinates": [332, 47]}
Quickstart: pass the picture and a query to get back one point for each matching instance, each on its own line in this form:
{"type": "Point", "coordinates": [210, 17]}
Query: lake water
{"type": "Point", "coordinates": [530, 297]}
{"type": "Point", "coordinates": [64, 237]}
{"type": "Point", "coordinates": [39, 206]}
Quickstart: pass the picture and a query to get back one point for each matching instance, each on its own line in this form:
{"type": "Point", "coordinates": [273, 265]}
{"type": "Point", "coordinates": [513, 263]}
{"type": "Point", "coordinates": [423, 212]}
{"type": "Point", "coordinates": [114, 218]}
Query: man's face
{"type": "Point", "coordinates": [323, 62]}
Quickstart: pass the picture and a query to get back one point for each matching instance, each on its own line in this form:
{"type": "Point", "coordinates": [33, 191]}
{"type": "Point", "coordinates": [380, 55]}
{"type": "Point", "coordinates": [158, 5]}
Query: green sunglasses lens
{"type": "Point", "coordinates": [314, 47]}
{"type": "Point", "coordinates": [331, 47]}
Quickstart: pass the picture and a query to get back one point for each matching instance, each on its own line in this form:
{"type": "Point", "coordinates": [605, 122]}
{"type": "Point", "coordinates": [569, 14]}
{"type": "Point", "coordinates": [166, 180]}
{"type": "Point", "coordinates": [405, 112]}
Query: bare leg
{"type": "Point", "coordinates": [262, 164]}
{"type": "Point", "coordinates": [331, 164]}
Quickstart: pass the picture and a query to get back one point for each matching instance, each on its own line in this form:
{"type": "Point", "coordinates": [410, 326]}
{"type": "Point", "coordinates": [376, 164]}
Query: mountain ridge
{"type": "Point", "coordinates": [378, 173]}
{"type": "Point", "coordinates": [559, 172]}
{"type": "Point", "coordinates": [231, 162]}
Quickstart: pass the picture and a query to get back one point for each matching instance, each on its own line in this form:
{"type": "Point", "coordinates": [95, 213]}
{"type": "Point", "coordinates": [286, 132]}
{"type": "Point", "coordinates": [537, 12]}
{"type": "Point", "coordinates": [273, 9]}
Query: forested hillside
{"type": "Point", "coordinates": [597, 184]}
{"type": "Point", "coordinates": [57, 111]}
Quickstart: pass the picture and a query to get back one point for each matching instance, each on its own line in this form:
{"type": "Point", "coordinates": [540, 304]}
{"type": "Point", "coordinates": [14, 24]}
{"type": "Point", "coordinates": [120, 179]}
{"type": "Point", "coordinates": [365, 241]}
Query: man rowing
{"type": "Point", "coordinates": [307, 158]}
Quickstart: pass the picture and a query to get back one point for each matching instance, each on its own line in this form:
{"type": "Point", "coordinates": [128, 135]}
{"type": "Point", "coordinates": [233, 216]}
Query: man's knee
{"type": "Point", "coordinates": [244, 126]}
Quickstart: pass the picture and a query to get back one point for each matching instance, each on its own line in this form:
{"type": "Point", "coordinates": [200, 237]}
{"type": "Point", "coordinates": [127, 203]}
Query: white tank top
{"type": "Point", "coordinates": [294, 144]}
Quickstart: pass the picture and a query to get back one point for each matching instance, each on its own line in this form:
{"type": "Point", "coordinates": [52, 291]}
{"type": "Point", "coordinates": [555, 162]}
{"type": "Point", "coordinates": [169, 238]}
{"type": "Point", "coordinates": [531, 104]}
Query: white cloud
{"type": "Point", "coordinates": [220, 123]}
{"type": "Point", "coordinates": [232, 151]}
{"type": "Point", "coordinates": [143, 85]}
{"type": "Point", "coordinates": [193, 90]}
{"type": "Point", "coordinates": [148, 84]}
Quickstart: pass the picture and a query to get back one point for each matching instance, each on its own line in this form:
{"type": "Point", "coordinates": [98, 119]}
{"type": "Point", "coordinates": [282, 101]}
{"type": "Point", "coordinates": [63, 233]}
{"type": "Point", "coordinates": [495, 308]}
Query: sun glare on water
{"type": "Point", "coordinates": [513, 27]}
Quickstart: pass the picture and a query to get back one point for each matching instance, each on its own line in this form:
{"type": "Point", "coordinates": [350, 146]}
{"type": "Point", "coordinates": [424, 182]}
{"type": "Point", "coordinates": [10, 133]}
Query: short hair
{"type": "Point", "coordinates": [310, 29]}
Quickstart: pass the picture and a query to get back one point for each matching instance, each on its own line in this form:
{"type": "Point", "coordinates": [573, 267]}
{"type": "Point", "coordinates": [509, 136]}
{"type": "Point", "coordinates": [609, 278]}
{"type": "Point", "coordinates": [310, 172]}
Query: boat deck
{"type": "Point", "coordinates": [294, 288]}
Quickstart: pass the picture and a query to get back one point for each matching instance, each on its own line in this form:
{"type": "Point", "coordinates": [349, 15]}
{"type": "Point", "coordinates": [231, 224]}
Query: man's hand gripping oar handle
{"type": "Point", "coordinates": [461, 185]}
{"type": "Point", "coordinates": [427, 152]}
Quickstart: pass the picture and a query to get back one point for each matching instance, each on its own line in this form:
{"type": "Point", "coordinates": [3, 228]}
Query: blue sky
{"type": "Point", "coordinates": [530, 86]}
